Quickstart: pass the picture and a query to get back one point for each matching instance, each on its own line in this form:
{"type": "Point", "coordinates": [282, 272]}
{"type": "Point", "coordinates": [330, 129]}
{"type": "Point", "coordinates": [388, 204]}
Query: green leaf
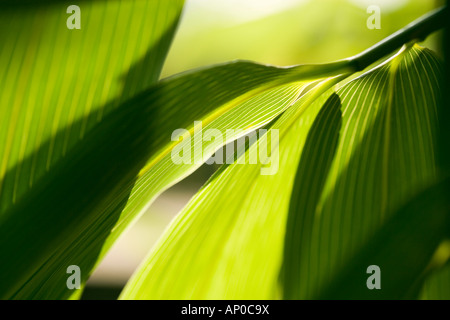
{"type": "Point", "coordinates": [385, 154]}
{"type": "Point", "coordinates": [238, 95]}
{"type": "Point", "coordinates": [436, 284]}
{"type": "Point", "coordinates": [317, 156]}
{"type": "Point", "coordinates": [232, 220]}
{"type": "Point", "coordinates": [403, 250]}
{"type": "Point", "coordinates": [55, 77]}
{"type": "Point", "coordinates": [57, 84]}
{"type": "Point", "coordinates": [67, 199]}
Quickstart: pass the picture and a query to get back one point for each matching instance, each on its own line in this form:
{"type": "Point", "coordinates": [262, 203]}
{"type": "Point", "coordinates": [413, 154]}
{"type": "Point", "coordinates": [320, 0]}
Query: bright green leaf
{"type": "Point", "coordinates": [57, 84]}
{"type": "Point", "coordinates": [232, 220]}
{"type": "Point", "coordinates": [126, 154]}
{"type": "Point", "coordinates": [385, 154]}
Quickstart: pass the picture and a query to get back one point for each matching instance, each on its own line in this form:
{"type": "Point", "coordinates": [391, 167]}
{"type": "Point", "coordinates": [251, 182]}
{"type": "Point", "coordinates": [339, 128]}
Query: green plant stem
{"type": "Point", "coordinates": [417, 30]}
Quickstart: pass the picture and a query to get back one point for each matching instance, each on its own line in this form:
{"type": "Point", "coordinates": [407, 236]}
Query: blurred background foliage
{"type": "Point", "coordinates": [278, 32]}
{"type": "Point", "coordinates": [283, 32]}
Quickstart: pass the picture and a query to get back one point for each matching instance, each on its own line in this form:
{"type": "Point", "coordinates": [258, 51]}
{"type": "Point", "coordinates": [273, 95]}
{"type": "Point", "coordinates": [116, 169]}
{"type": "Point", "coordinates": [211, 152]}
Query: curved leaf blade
{"type": "Point", "coordinates": [386, 155]}
{"type": "Point", "coordinates": [232, 220]}
{"type": "Point", "coordinates": [242, 242]}
{"type": "Point", "coordinates": [128, 156]}
{"type": "Point", "coordinates": [57, 85]}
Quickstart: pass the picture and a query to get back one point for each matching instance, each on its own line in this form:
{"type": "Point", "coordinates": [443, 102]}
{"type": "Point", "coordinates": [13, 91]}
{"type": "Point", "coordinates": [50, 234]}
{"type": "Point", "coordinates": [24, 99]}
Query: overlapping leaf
{"type": "Point", "coordinates": [53, 78]}
{"type": "Point", "coordinates": [74, 149]}
{"type": "Point", "coordinates": [405, 250]}
{"type": "Point", "coordinates": [234, 220]}
{"type": "Point", "coordinates": [386, 154]}
{"type": "Point", "coordinates": [370, 157]}
{"type": "Point", "coordinates": [56, 84]}
{"type": "Point", "coordinates": [79, 159]}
